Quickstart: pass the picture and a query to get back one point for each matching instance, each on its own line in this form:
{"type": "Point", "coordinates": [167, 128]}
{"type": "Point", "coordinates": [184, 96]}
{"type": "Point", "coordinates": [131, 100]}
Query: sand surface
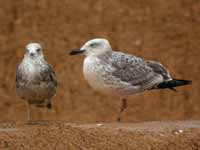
{"type": "Point", "coordinates": [179, 135]}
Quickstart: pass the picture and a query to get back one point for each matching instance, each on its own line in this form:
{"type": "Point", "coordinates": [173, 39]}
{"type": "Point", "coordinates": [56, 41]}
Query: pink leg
{"type": "Point", "coordinates": [124, 105]}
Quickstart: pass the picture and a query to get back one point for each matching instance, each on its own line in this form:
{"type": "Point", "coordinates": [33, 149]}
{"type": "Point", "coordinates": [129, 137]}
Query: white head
{"type": "Point", "coordinates": [94, 47]}
{"type": "Point", "coordinates": [33, 51]}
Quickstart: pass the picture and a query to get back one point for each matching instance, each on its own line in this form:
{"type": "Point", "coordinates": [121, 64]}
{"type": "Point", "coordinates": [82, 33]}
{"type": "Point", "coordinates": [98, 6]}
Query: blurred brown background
{"type": "Point", "coordinates": [167, 31]}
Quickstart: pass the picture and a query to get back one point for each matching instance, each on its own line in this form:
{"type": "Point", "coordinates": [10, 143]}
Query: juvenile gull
{"type": "Point", "coordinates": [35, 79]}
{"type": "Point", "coordinates": [118, 73]}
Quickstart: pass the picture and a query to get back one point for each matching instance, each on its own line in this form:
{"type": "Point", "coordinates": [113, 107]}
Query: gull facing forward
{"type": "Point", "coordinates": [118, 73]}
{"type": "Point", "coordinates": [35, 79]}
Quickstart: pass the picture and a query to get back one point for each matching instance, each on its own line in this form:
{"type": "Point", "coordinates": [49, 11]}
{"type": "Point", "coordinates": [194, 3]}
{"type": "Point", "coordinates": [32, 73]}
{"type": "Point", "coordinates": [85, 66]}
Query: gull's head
{"type": "Point", "coordinates": [33, 51]}
{"type": "Point", "coordinates": [93, 47]}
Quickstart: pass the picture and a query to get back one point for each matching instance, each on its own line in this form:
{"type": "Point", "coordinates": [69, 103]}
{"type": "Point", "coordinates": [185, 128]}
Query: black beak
{"type": "Point", "coordinates": [76, 51]}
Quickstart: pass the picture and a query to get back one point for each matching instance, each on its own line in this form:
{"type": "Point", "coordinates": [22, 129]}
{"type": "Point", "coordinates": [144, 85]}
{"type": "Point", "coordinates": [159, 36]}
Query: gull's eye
{"type": "Point", "coordinates": [38, 50]}
{"type": "Point", "coordinates": [93, 44]}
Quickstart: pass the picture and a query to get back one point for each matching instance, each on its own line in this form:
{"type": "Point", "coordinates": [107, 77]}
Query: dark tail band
{"type": "Point", "coordinates": [171, 84]}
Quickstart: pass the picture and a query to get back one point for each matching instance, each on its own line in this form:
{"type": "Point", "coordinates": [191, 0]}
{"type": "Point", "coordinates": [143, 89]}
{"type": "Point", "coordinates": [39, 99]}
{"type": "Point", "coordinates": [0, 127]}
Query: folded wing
{"type": "Point", "coordinates": [135, 70]}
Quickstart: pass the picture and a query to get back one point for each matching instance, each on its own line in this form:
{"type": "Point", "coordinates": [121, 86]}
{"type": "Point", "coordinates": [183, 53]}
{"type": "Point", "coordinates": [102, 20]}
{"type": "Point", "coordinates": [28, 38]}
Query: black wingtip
{"type": "Point", "coordinates": [184, 82]}
{"type": "Point", "coordinates": [171, 84]}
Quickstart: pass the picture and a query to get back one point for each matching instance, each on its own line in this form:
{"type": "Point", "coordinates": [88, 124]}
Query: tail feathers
{"type": "Point", "coordinates": [171, 84]}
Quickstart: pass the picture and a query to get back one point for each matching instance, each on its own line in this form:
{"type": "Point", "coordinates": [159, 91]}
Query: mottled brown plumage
{"type": "Point", "coordinates": [35, 79]}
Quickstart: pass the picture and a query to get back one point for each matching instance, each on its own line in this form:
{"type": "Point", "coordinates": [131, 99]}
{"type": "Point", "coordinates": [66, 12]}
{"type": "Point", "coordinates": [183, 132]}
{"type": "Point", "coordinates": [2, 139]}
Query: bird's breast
{"type": "Point", "coordinates": [94, 72]}
{"type": "Point", "coordinates": [31, 87]}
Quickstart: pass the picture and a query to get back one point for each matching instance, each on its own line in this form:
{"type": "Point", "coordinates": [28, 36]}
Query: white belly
{"type": "Point", "coordinates": [93, 73]}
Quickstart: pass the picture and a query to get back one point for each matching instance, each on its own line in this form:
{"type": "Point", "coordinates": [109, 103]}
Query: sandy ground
{"type": "Point", "coordinates": [167, 31]}
{"type": "Point", "coordinates": [61, 135]}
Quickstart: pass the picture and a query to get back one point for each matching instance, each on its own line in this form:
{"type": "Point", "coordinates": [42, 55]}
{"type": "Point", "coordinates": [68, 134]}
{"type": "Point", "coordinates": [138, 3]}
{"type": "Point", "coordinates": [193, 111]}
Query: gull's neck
{"type": "Point", "coordinates": [33, 61]}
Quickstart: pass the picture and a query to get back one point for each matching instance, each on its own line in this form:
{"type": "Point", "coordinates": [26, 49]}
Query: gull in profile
{"type": "Point", "coordinates": [35, 79]}
{"type": "Point", "coordinates": [122, 74]}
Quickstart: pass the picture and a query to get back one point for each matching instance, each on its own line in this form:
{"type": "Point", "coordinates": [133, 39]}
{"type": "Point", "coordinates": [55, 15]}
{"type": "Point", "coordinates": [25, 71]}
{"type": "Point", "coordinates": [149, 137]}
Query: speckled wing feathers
{"type": "Point", "coordinates": [159, 68]}
{"type": "Point", "coordinates": [19, 76]}
{"type": "Point", "coordinates": [134, 70]}
{"type": "Point", "coordinates": [48, 75]}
